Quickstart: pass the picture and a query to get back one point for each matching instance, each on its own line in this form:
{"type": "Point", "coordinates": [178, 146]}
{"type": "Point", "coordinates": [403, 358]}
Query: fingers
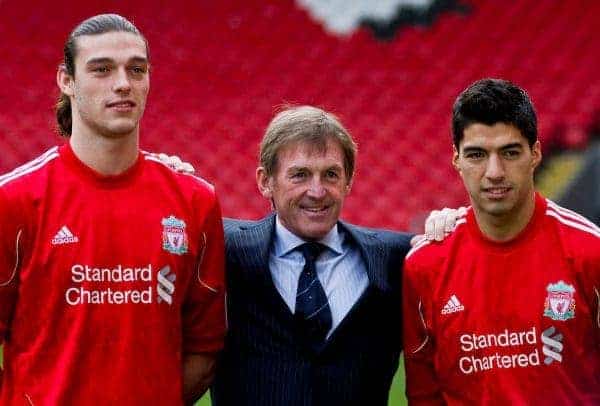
{"type": "Point", "coordinates": [430, 224]}
{"type": "Point", "coordinates": [175, 162]}
{"type": "Point", "coordinates": [442, 222]}
{"type": "Point", "coordinates": [449, 220]}
{"type": "Point", "coordinates": [187, 168]}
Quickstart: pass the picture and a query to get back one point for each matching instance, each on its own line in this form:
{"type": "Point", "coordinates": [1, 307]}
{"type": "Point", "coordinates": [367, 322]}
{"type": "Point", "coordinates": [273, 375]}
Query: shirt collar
{"type": "Point", "coordinates": [286, 241]}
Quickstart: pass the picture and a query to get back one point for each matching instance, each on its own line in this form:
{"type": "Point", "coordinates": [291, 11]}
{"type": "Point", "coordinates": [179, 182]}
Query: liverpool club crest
{"type": "Point", "coordinates": [560, 303]}
{"type": "Point", "coordinates": [174, 237]}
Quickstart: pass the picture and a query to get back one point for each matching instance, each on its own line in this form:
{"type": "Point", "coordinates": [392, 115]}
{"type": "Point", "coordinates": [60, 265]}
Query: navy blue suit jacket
{"type": "Point", "coordinates": [267, 360]}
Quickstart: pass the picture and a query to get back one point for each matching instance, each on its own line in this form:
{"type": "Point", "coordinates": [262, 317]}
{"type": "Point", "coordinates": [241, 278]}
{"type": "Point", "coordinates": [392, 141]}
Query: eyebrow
{"type": "Point", "coordinates": [467, 150]}
{"type": "Point", "coordinates": [296, 168]}
{"type": "Point", "coordinates": [507, 146]}
{"type": "Point", "coordinates": [513, 145]}
{"type": "Point", "coordinates": [304, 167]}
{"type": "Point", "coordinates": [100, 60]}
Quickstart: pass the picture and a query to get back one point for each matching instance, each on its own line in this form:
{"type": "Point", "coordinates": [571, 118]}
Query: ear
{"type": "Point", "coordinates": [264, 183]}
{"type": "Point", "coordinates": [536, 153]}
{"type": "Point", "coordinates": [455, 156]}
{"type": "Point", "coordinates": [64, 80]}
{"type": "Point", "coordinates": [349, 186]}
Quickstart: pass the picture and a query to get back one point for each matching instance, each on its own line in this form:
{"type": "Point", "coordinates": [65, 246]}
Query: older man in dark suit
{"type": "Point", "coordinates": [314, 304]}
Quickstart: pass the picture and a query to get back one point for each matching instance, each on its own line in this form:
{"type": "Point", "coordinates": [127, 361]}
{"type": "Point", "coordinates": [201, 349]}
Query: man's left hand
{"type": "Point", "coordinates": [439, 224]}
{"type": "Point", "coordinates": [174, 162]}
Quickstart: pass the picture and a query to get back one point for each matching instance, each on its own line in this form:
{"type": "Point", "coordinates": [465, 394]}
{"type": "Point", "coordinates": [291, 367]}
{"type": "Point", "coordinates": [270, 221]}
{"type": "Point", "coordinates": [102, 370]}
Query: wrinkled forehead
{"type": "Point", "coordinates": [119, 47]}
{"type": "Point", "coordinates": [308, 151]}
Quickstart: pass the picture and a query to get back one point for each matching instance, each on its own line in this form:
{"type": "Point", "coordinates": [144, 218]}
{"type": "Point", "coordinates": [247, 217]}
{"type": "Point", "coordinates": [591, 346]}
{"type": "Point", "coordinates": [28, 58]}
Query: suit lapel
{"type": "Point", "coordinates": [373, 254]}
{"type": "Point", "coordinates": [375, 257]}
{"type": "Point", "coordinates": [256, 240]}
{"type": "Point", "coordinates": [254, 259]}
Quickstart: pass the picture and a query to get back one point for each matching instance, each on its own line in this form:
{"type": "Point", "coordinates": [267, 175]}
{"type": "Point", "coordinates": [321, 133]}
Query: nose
{"type": "Point", "coordinates": [316, 189]}
{"type": "Point", "coordinates": [122, 83]}
{"type": "Point", "coordinates": [495, 168]}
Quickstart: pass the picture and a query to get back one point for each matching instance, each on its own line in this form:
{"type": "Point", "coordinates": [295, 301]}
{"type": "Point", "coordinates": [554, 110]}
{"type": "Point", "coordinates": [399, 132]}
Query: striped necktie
{"type": "Point", "coordinates": [312, 307]}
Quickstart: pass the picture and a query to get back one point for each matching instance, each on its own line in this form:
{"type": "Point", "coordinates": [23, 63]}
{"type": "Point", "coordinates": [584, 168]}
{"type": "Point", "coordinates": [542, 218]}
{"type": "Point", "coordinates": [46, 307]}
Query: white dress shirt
{"type": "Point", "coordinates": [340, 269]}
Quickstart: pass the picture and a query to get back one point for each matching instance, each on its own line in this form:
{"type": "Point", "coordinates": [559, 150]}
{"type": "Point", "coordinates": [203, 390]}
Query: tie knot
{"type": "Point", "coordinates": [311, 250]}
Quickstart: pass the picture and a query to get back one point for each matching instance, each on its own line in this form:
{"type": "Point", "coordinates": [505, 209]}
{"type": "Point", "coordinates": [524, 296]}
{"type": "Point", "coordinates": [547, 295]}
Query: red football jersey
{"type": "Point", "coordinates": [106, 281]}
{"type": "Point", "coordinates": [516, 323]}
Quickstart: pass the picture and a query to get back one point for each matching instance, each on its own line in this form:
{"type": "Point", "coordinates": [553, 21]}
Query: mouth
{"type": "Point", "coordinates": [317, 210]}
{"type": "Point", "coordinates": [121, 105]}
{"type": "Point", "coordinates": [496, 192]}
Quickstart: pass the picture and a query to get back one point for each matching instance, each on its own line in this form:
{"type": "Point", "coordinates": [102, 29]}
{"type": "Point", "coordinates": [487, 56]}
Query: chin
{"type": "Point", "coordinates": [119, 131]}
{"type": "Point", "coordinates": [499, 208]}
{"type": "Point", "coordinates": [314, 233]}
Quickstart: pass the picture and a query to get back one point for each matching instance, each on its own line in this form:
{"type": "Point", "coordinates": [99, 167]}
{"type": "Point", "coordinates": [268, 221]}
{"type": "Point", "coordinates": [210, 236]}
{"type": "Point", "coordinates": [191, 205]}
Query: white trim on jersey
{"type": "Point", "coordinates": [30, 166]}
{"type": "Point", "coordinates": [594, 231]}
{"type": "Point", "coordinates": [418, 245]}
{"type": "Point", "coordinates": [572, 215]}
{"type": "Point", "coordinates": [29, 163]}
{"type": "Point", "coordinates": [460, 221]}
{"type": "Point", "coordinates": [206, 285]}
{"type": "Point", "coordinates": [426, 340]}
{"type": "Point", "coordinates": [423, 242]}
{"type": "Point", "coordinates": [17, 261]}
{"type": "Point", "coordinates": [598, 309]}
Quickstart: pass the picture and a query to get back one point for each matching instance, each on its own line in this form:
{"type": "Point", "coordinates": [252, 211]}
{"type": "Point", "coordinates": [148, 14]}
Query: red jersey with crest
{"type": "Point", "coordinates": [505, 323]}
{"type": "Point", "coordinates": [106, 282]}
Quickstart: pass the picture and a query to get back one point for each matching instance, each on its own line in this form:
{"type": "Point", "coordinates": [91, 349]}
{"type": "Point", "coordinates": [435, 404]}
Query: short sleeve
{"type": "Point", "coordinates": [204, 321]}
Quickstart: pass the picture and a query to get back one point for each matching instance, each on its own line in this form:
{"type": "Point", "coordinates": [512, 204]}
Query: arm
{"type": "Point", "coordinates": [204, 311]}
{"type": "Point", "coordinates": [10, 248]}
{"type": "Point", "coordinates": [422, 386]}
{"type": "Point", "coordinates": [198, 373]}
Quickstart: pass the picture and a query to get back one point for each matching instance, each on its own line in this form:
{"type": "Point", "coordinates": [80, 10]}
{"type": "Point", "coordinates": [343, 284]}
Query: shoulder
{"type": "Point", "coordinates": [22, 175]}
{"type": "Point", "coordinates": [185, 181]}
{"type": "Point", "coordinates": [232, 226]}
{"type": "Point", "coordinates": [580, 236]}
{"type": "Point", "coordinates": [390, 239]}
{"type": "Point", "coordinates": [431, 254]}
{"type": "Point", "coordinates": [241, 232]}
{"type": "Point", "coordinates": [25, 185]}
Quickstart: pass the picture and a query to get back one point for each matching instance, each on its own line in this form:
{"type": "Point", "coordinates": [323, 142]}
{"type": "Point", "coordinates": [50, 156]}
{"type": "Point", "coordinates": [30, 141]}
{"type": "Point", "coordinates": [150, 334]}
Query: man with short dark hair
{"type": "Point", "coordinates": [506, 309]}
{"type": "Point", "coordinates": [111, 264]}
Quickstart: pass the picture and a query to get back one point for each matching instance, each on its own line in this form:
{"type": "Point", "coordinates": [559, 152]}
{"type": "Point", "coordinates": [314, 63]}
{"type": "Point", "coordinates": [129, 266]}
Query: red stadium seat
{"type": "Point", "coordinates": [220, 69]}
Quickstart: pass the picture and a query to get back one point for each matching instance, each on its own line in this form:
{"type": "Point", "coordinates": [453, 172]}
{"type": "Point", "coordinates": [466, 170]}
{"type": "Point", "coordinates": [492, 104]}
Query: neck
{"type": "Point", "coordinates": [105, 155]}
{"type": "Point", "coordinates": [505, 227]}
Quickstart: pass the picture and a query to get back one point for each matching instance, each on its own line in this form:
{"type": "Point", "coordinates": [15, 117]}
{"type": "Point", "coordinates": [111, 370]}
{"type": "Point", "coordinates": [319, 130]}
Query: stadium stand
{"type": "Point", "coordinates": [220, 68]}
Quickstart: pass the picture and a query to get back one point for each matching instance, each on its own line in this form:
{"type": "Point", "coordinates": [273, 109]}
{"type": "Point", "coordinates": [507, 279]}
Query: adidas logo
{"type": "Point", "coordinates": [64, 236]}
{"type": "Point", "coordinates": [453, 306]}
